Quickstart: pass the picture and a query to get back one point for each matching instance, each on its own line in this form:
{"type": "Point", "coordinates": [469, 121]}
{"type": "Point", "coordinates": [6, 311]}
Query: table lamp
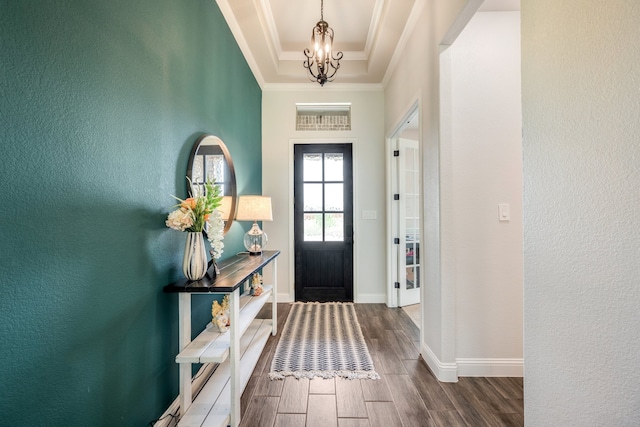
{"type": "Point", "coordinates": [254, 208]}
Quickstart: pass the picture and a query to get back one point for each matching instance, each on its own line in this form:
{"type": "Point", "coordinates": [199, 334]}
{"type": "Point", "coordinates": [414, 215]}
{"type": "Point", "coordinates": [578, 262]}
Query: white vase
{"type": "Point", "coordinates": [194, 263]}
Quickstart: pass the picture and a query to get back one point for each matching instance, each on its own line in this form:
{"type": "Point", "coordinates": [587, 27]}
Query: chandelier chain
{"type": "Point", "coordinates": [322, 10]}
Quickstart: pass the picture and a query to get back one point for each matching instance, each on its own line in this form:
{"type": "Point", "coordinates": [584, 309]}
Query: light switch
{"type": "Point", "coordinates": [503, 212]}
{"type": "Point", "coordinates": [369, 215]}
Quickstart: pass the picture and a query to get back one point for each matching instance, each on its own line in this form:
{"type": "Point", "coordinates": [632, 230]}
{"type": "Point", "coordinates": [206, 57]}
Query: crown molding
{"type": "Point", "coordinates": [414, 15]}
{"type": "Point", "coordinates": [315, 87]}
{"type": "Point", "coordinates": [269, 23]}
{"type": "Point", "coordinates": [373, 27]}
{"type": "Point", "coordinates": [353, 55]}
{"type": "Point", "coordinates": [227, 12]}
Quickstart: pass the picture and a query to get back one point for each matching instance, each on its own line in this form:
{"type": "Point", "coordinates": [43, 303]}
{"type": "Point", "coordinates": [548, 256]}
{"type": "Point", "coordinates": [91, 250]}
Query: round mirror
{"type": "Point", "coordinates": [210, 160]}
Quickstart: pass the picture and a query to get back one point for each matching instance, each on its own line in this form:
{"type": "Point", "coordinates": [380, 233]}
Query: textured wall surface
{"type": "Point", "coordinates": [581, 146]}
{"type": "Point", "coordinates": [100, 104]}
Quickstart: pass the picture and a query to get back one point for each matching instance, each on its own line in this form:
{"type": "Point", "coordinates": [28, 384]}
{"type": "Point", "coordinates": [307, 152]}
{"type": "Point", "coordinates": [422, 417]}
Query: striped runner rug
{"type": "Point", "coordinates": [322, 340]}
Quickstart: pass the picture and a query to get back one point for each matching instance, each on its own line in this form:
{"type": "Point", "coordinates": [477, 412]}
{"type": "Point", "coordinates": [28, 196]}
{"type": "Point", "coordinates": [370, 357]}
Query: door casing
{"type": "Point", "coordinates": [392, 229]}
{"type": "Point", "coordinates": [354, 151]}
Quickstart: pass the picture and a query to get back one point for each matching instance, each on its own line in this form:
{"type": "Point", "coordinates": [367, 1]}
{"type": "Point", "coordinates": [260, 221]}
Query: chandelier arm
{"type": "Point", "coordinates": [310, 56]}
{"type": "Point", "coordinates": [335, 65]}
{"type": "Point", "coordinates": [308, 63]}
{"type": "Point", "coordinates": [331, 76]}
{"type": "Point", "coordinates": [310, 71]}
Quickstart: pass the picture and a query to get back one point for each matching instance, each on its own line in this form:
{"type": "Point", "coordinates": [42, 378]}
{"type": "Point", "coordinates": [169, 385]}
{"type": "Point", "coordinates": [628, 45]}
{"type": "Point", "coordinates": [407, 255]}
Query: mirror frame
{"type": "Point", "coordinates": [208, 139]}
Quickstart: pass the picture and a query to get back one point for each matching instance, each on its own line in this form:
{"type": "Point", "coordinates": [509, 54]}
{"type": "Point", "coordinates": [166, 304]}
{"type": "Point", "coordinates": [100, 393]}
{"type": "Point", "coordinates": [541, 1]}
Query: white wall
{"type": "Point", "coordinates": [416, 75]}
{"type": "Point", "coordinates": [367, 135]}
{"type": "Point", "coordinates": [581, 146]}
{"type": "Point", "coordinates": [486, 162]}
{"type": "Point", "coordinates": [462, 235]}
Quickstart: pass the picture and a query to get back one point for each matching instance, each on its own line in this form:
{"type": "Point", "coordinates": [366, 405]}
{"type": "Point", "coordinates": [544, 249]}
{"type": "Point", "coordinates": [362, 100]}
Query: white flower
{"type": "Point", "coordinates": [215, 233]}
{"type": "Point", "coordinates": [180, 220]}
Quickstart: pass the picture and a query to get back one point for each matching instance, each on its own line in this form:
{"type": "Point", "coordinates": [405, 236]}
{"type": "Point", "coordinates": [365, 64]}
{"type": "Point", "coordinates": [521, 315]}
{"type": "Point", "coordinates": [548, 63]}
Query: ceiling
{"type": "Point", "coordinates": [272, 35]}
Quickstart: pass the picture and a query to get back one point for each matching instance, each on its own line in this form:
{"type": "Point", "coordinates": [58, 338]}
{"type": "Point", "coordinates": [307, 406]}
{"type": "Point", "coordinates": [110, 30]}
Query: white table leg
{"type": "Point", "coordinates": [184, 338]}
{"type": "Point", "coordinates": [274, 299]}
{"type": "Point", "coordinates": [234, 356]}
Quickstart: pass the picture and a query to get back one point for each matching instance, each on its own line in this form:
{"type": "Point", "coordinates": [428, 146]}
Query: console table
{"type": "Point", "coordinates": [237, 351]}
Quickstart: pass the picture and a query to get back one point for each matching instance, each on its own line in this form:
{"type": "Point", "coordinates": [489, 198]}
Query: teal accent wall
{"type": "Point", "coordinates": [100, 103]}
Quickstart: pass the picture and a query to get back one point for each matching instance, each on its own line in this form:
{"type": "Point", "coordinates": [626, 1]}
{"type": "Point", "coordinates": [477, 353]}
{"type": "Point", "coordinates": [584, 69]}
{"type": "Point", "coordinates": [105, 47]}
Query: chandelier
{"type": "Point", "coordinates": [322, 58]}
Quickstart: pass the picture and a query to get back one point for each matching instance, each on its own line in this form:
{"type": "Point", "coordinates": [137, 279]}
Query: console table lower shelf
{"type": "Point", "coordinates": [236, 351]}
{"type": "Point", "coordinates": [212, 406]}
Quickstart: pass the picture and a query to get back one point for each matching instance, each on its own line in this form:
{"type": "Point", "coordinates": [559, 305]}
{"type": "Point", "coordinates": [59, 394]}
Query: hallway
{"type": "Point", "coordinates": [406, 395]}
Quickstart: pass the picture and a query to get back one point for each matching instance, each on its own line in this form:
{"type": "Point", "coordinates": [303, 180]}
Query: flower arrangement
{"type": "Point", "coordinates": [215, 233]}
{"type": "Point", "coordinates": [194, 212]}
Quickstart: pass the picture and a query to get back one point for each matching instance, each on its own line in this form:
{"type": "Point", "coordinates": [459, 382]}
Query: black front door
{"type": "Point", "coordinates": [323, 221]}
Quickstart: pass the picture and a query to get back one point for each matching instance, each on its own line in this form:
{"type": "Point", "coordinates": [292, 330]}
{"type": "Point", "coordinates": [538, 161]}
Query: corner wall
{"type": "Point", "coordinates": [418, 76]}
{"type": "Point", "coordinates": [486, 170]}
{"type": "Point", "coordinates": [279, 135]}
{"type": "Point", "coordinates": [581, 117]}
{"type": "Point", "coordinates": [447, 229]}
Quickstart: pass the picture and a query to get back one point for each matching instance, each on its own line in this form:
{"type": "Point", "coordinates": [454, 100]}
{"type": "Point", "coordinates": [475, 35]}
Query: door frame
{"type": "Point", "coordinates": [292, 272]}
{"type": "Point", "coordinates": [392, 293]}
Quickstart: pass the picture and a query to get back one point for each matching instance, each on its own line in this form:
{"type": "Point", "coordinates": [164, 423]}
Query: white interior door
{"type": "Point", "coordinates": [408, 161]}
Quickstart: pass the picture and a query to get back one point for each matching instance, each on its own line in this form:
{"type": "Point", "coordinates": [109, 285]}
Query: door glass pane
{"type": "Point", "coordinates": [334, 227]}
{"type": "Point", "coordinates": [333, 166]}
{"type": "Point", "coordinates": [409, 159]}
{"type": "Point", "coordinates": [410, 207]}
{"type": "Point", "coordinates": [312, 197]}
{"type": "Point", "coordinates": [334, 200]}
{"type": "Point", "coordinates": [411, 184]}
{"type": "Point", "coordinates": [312, 167]}
{"type": "Point", "coordinates": [413, 277]}
{"type": "Point", "coordinates": [312, 227]}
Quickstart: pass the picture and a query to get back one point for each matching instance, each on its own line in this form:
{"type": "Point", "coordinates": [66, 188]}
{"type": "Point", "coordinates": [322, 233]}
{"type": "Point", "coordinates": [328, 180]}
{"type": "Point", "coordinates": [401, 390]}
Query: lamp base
{"type": "Point", "coordinates": [255, 240]}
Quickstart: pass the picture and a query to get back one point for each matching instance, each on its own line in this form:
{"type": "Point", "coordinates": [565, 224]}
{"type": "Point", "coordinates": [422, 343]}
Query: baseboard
{"type": "Point", "coordinates": [371, 299]}
{"type": "Point", "coordinates": [464, 367]}
{"type": "Point", "coordinates": [490, 367]}
{"type": "Point", "coordinates": [445, 372]}
{"type": "Point", "coordinates": [360, 299]}
{"type": "Point", "coordinates": [284, 298]}
{"type": "Point", "coordinates": [170, 416]}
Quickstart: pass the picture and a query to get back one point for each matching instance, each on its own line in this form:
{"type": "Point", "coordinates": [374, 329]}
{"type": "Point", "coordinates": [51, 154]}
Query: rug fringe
{"type": "Point", "coordinates": [351, 375]}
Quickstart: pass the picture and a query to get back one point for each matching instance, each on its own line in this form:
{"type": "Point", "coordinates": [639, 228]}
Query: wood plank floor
{"type": "Point", "coordinates": [407, 394]}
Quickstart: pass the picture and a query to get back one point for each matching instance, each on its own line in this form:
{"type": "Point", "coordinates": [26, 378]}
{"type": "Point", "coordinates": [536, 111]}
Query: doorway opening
{"type": "Point", "coordinates": [406, 227]}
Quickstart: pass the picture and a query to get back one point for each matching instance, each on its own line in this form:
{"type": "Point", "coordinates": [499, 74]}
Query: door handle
{"type": "Point", "coordinates": [349, 235]}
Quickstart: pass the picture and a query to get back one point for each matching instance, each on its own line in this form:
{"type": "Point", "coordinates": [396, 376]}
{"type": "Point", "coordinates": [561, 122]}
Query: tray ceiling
{"type": "Point", "coordinates": [272, 35]}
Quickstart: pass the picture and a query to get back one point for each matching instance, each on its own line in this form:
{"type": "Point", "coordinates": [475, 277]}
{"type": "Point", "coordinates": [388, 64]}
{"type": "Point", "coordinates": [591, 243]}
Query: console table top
{"type": "Point", "coordinates": [233, 273]}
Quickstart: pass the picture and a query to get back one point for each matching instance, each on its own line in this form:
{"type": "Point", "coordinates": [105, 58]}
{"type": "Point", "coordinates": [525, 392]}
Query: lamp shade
{"type": "Point", "coordinates": [254, 208]}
